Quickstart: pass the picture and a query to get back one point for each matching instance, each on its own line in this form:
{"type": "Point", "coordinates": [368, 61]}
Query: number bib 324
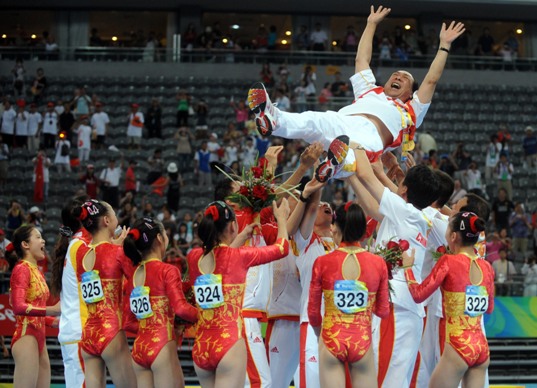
{"type": "Point", "coordinates": [208, 291]}
{"type": "Point", "coordinates": [91, 287]}
{"type": "Point", "coordinates": [140, 302]}
{"type": "Point", "coordinates": [350, 296]}
{"type": "Point", "coordinates": [476, 301]}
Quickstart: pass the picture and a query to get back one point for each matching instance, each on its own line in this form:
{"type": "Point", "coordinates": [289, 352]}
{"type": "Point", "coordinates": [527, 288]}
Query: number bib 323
{"type": "Point", "coordinates": [476, 301]}
{"type": "Point", "coordinates": [208, 291]}
{"type": "Point", "coordinates": [140, 302]}
{"type": "Point", "coordinates": [91, 287]}
{"type": "Point", "coordinates": [350, 296]}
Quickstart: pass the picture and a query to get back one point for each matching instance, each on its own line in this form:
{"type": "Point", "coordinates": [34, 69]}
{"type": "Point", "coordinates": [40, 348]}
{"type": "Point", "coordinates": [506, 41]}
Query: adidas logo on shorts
{"type": "Point", "coordinates": [257, 340]}
{"type": "Point", "coordinates": [274, 350]}
{"type": "Point", "coordinates": [312, 359]}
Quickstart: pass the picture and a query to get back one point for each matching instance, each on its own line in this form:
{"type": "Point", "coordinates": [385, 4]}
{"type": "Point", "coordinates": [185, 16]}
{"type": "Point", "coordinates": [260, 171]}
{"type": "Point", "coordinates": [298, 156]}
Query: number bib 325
{"type": "Point", "coordinates": [208, 291]}
{"type": "Point", "coordinates": [91, 287]}
{"type": "Point", "coordinates": [350, 296]}
{"type": "Point", "coordinates": [476, 301]}
{"type": "Point", "coordinates": [140, 302]}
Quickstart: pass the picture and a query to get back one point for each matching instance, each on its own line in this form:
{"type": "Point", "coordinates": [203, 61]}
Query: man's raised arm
{"type": "Point", "coordinates": [365, 46]}
{"type": "Point", "coordinates": [447, 36]}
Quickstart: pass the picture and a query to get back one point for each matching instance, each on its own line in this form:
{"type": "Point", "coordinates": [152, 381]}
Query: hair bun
{"type": "Point", "coordinates": [213, 212]}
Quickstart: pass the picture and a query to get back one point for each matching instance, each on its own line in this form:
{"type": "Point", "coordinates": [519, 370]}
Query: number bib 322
{"type": "Point", "coordinates": [476, 301]}
{"type": "Point", "coordinates": [350, 296]}
{"type": "Point", "coordinates": [91, 287]}
{"type": "Point", "coordinates": [140, 302]}
{"type": "Point", "coordinates": [208, 291]}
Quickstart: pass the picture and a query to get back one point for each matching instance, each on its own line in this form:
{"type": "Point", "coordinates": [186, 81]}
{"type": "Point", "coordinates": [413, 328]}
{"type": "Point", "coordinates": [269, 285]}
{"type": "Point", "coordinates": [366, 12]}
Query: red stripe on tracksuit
{"type": "Point", "coordinates": [414, 381]}
{"type": "Point", "coordinates": [387, 336]}
{"type": "Point", "coordinates": [268, 333]}
{"type": "Point", "coordinates": [251, 369]}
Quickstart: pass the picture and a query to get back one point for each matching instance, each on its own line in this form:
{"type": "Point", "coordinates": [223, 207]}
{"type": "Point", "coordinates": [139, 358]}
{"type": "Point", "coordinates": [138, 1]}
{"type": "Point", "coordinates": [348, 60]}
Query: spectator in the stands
{"type": "Point", "coordinates": [241, 113]}
{"type": "Point", "coordinates": [50, 126]}
{"type": "Point", "coordinates": [95, 40]}
{"type": "Point", "coordinates": [504, 137]}
{"type": "Point", "coordinates": [248, 153]}
{"type": "Point", "coordinates": [427, 142]}
{"type": "Point", "coordinates": [90, 181]}
{"type": "Point", "coordinates": [319, 39]}
{"type": "Point", "coordinates": [485, 43]}
{"type": "Point", "coordinates": [458, 192]}
{"type": "Point", "coordinates": [8, 123]}
{"type": "Point", "coordinates": [34, 124]}
{"type": "Point", "coordinates": [62, 158]}
{"type": "Point", "coordinates": [42, 161]}
{"type": "Point", "coordinates": [147, 209]}
{"type": "Point", "coordinates": [261, 40]}
{"type": "Point", "coordinates": [189, 37]}
{"type": "Point", "coordinates": [39, 85]}
{"type": "Point", "coordinates": [520, 223]}
{"type": "Point", "coordinates": [36, 217]}
{"type": "Point", "coordinates": [504, 174]}
{"type": "Point", "coordinates": [530, 148]}
{"type": "Point", "coordinates": [21, 125]}
{"type": "Point", "coordinates": [272, 38]}
{"type": "Point", "coordinates": [156, 166]}
{"type": "Point", "coordinates": [15, 218]}
{"type": "Point", "coordinates": [231, 152]}
{"type": "Point", "coordinates": [501, 210]}
{"type": "Point", "coordinates": [66, 122]}
{"type": "Point", "coordinates": [83, 131]}
{"type": "Point", "coordinates": [284, 104]}
{"type": "Point", "coordinates": [266, 75]}
{"type": "Point", "coordinates": [59, 108]}
{"type": "Point", "coordinates": [110, 182]}
{"type": "Point", "coordinates": [504, 270]}
{"type": "Point", "coordinates": [184, 137]}
{"type": "Point", "coordinates": [202, 167]}
{"type": "Point", "coordinates": [174, 182]}
{"type": "Point", "coordinates": [82, 102]}
{"type": "Point", "coordinates": [4, 161]}
{"type": "Point", "coordinates": [131, 182]}
{"type": "Point", "coordinates": [350, 41]}
{"type": "Point", "coordinates": [100, 122]}
{"type": "Point", "coordinates": [183, 106]}
{"type": "Point", "coordinates": [202, 111]}
{"type": "Point", "coordinates": [339, 88]}
{"type": "Point", "coordinates": [300, 97]}
{"type": "Point", "coordinates": [473, 177]}
{"type": "Point", "coordinates": [310, 77]}
{"type": "Point", "coordinates": [135, 126]}
{"type": "Point", "coordinates": [18, 73]}
{"type": "Point", "coordinates": [529, 270]}
{"type": "Point", "coordinates": [462, 160]}
{"type": "Point", "coordinates": [324, 97]}
{"type": "Point", "coordinates": [493, 247]}
{"type": "Point", "coordinates": [492, 158]}
{"type": "Point", "coordinates": [153, 119]}
{"type": "Point", "coordinates": [214, 148]}
{"type": "Point", "coordinates": [4, 242]}
{"type": "Point", "coordinates": [302, 39]}
{"type": "Point", "coordinates": [127, 215]}
{"type": "Point", "coordinates": [232, 133]}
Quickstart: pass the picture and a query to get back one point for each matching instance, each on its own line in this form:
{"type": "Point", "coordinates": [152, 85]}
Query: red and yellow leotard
{"type": "Point", "coordinates": [104, 317]}
{"type": "Point", "coordinates": [167, 300]}
{"type": "Point", "coordinates": [347, 335]}
{"type": "Point", "coordinates": [28, 297]}
{"type": "Point", "coordinates": [460, 304]}
{"type": "Point", "coordinates": [219, 328]}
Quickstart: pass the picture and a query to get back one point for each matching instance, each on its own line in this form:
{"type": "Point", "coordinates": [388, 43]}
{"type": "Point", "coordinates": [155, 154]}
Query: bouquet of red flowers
{"type": "Point", "coordinates": [256, 188]}
{"type": "Point", "coordinates": [440, 251]}
{"type": "Point", "coordinates": [393, 255]}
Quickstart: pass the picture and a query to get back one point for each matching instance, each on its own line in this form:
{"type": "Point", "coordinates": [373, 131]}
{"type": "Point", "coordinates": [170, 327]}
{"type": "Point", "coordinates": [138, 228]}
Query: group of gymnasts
{"type": "Point", "coordinates": [337, 315]}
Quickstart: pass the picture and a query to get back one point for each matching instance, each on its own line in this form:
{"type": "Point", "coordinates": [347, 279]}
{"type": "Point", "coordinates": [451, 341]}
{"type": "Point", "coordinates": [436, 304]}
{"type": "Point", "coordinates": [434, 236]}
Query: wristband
{"type": "Point", "coordinates": [302, 199]}
{"type": "Point", "coordinates": [443, 49]}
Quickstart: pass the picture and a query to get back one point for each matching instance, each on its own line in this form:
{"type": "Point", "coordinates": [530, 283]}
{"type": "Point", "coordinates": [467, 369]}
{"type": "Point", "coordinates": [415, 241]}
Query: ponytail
{"type": "Point", "coordinates": [139, 241]}
{"type": "Point", "coordinates": [216, 217]}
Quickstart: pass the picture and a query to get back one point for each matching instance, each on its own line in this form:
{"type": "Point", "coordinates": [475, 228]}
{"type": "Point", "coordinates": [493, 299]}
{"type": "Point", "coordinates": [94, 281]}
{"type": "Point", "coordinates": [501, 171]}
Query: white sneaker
{"type": "Point", "coordinates": [264, 110]}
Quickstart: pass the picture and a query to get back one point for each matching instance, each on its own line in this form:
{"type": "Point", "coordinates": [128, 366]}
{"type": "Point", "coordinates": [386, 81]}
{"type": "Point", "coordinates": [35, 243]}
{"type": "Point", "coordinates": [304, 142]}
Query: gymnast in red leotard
{"type": "Point", "coordinates": [28, 297]}
{"type": "Point", "coordinates": [218, 274]}
{"type": "Point", "coordinates": [155, 298]}
{"type": "Point", "coordinates": [467, 286]}
{"type": "Point", "coordinates": [101, 266]}
{"type": "Point", "coordinates": [355, 284]}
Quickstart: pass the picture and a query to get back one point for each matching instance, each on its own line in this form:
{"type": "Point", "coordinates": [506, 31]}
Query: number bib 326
{"type": "Point", "coordinates": [208, 291]}
{"type": "Point", "coordinates": [350, 296]}
{"type": "Point", "coordinates": [140, 302]}
{"type": "Point", "coordinates": [476, 301]}
{"type": "Point", "coordinates": [91, 287]}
